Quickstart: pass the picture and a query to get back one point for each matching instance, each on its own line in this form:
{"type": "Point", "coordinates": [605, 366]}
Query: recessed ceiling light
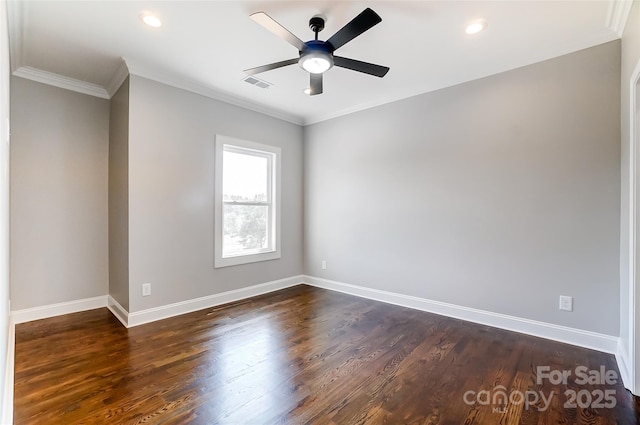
{"type": "Point", "coordinates": [307, 91]}
{"type": "Point", "coordinates": [151, 19]}
{"type": "Point", "coordinates": [476, 27]}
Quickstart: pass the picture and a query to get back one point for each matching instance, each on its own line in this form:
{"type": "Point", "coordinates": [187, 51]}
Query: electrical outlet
{"type": "Point", "coordinates": [324, 264]}
{"type": "Point", "coordinates": [566, 303]}
{"type": "Point", "coordinates": [146, 289]}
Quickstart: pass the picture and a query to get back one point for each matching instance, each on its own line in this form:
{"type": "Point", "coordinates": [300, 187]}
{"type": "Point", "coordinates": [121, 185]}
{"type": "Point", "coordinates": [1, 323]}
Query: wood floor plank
{"type": "Point", "coordinates": [299, 356]}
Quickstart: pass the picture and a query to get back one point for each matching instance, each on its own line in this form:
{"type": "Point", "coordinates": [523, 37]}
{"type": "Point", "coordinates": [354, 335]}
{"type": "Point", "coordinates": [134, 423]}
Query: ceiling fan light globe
{"type": "Point", "coordinates": [316, 65]}
{"type": "Point", "coordinates": [316, 62]}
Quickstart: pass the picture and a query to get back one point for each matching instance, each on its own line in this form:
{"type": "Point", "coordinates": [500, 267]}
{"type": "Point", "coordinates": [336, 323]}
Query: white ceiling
{"type": "Point", "coordinates": [203, 46]}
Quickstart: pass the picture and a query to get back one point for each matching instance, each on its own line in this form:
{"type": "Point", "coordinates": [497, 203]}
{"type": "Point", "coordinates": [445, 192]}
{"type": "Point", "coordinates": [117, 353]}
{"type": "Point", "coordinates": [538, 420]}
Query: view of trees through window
{"type": "Point", "coordinates": [245, 227]}
{"type": "Point", "coordinates": [246, 201]}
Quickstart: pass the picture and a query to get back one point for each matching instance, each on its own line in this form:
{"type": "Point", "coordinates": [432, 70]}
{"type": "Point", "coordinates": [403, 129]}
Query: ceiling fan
{"type": "Point", "coordinates": [316, 56]}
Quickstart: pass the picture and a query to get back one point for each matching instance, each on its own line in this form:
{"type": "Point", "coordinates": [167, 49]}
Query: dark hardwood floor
{"type": "Point", "coordinates": [306, 355]}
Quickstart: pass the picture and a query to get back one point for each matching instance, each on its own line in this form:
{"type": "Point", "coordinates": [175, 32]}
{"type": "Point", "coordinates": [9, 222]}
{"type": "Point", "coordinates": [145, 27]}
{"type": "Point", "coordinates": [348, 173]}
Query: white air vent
{"type": "Point", "coordinates": [257, 82]}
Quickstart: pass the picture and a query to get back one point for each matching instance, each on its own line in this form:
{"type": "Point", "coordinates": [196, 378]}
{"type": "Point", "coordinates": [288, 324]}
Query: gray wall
{"type": "Point", "coordinates": [629, 61]}
{"type": "Point", "coordinates": [59, 153]}
{"type": "Point", "coordinates": [499, 194]}
{"type": "Point", "coordinates": [119, 196]}
{"type": "Point", "coordinates": [171, 148]}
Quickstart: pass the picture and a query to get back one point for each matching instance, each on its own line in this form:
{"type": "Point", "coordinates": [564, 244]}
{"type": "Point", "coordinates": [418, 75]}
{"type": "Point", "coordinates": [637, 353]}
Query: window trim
{"type": "Point", "coordinates": [275, 195]}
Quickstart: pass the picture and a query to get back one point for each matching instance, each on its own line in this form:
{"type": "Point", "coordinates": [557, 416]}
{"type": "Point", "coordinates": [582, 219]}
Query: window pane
{"type": "Point", "coordinates": [244, 177]}
{"type": "Point", "coordinates": [245, 229]}
{"type": "Point", "coordinates": [247, 202]}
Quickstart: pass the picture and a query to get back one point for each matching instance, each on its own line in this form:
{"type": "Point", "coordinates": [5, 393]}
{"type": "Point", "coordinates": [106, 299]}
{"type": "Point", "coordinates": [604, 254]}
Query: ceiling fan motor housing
{"type": "Point", "coordinates": [317, 46]}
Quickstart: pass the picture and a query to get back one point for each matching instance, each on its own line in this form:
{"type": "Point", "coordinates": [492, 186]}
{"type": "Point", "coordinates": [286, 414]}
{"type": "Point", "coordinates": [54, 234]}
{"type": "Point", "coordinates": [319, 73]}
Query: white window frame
{"type": "Point", "coordinates": [258, 149]}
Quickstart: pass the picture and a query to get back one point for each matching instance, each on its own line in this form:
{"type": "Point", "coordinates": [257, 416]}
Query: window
{"type": "Point", "coordinates": [247, 202]}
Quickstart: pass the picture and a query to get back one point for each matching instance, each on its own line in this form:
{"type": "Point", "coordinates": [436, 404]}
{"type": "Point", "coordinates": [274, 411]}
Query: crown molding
{"type": "Point", "coordinates": [126, 68]}
{"type": "Point", "coordinates": [618, 15]}
{"type": "Point", "coordinates": [61, 81]}
{"type": "Point", "coordinates": [118, 77]}
{"type": "Point", "coordinates": [181, 83]}
{"type": "Point", "coordinates": [16, 17]}
{"type": "Point", "coordinates": [532, 58]}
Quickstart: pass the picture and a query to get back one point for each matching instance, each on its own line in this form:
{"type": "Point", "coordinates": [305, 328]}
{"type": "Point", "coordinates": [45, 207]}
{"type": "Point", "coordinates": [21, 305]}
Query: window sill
{"type": "Point", "coordinates": [245, 259]}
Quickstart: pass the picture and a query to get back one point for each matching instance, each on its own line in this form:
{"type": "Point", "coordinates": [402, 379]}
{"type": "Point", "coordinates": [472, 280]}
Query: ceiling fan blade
{"type": "Point", "coordinates": [316, 84]}
{"type": "Point", "coordinates": [270, 24]}
{"type": "Point", "coordinates": [275, 65]}
{"type": "Point", "coordinates": [361, 23]}
{"type": "Point", "coordinates": [366, 67]}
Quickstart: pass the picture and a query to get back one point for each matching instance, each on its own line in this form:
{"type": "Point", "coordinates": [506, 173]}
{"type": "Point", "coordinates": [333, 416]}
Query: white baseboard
{"type": "Point", "coordinates": [51, 310]}
{"type": "Point", "coordinates": [118, 311]}
{"type": "Point", "coordinates": [587, 339]}
{"type": "Point", "coordinates": [582, 338]}
{"type": "Point", "coordinates": [188, 306]}
{"type": "Point", "coordinates": [624, 364]}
